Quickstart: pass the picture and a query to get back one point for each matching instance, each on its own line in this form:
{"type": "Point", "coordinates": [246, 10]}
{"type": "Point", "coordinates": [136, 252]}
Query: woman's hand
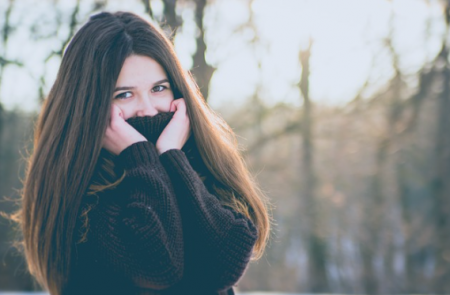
{"type": "Point", "coordinates": [177, 132]}
{"type": "Point", "coordinates": [119, 134]}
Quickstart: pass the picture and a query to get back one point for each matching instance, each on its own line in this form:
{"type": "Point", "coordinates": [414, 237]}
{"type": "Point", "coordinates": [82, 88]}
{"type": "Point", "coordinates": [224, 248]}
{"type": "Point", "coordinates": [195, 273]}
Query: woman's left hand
{"type": "Point", "coordinates": [177, 132]}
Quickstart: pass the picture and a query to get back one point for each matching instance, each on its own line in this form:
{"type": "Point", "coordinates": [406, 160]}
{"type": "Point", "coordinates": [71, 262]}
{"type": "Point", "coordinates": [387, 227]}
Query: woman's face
{"type": "Point", "coordinates": [142, 88]}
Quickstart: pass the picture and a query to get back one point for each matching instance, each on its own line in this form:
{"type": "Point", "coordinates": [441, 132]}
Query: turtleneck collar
{"type": "Point", "coordinates": [151, 127]}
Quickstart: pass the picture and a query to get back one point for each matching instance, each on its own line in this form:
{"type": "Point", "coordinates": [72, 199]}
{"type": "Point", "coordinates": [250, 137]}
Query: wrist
{"type": "Point", "coordinates": [127, 145]}
{"type": "Point", "coordinates": [163, 149]}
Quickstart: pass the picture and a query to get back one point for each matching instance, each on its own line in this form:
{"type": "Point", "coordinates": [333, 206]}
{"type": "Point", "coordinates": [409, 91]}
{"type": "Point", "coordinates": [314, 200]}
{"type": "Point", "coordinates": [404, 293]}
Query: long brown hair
{"type": "Point", "coordinates": [68, 155]}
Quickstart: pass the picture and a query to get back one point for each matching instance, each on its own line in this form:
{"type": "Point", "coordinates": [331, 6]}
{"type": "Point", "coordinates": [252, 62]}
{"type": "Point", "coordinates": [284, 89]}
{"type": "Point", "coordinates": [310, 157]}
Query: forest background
{"type": "Point", "coordinates": [341, 110]}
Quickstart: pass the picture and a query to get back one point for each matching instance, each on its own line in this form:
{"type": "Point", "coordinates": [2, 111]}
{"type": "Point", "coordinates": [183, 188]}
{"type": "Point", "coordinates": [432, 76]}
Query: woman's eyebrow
{"type": "Point", "coordinates": [161, 81]}
{"type": "Point", "coordinates": [124, 88]}
{"type": "Point", "coordinates": [133, 87]}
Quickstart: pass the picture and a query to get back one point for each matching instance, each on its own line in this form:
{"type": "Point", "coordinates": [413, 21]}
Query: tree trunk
{"type": "Point", "coordinates": [201, 70]}
{"type": "Point", "coordinates": [316, 247]}
{"type": "Point", "coordinates": [440, 182]}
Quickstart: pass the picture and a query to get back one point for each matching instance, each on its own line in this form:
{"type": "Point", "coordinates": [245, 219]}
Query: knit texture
{"type": "Point", "coordinates": [218, 241]}
{"type": "Point", "coordinates": [151, 127]}
{"type": "Point", "coordinates": [160, 231]}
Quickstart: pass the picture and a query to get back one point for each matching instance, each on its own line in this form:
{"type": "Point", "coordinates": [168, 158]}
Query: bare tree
{"type": "Point", "coordinates": [7, 29]}
{"type": "Point", "coordinates": [316, 248]}
{"type": "Point", "coordinates": [440, 184]}
{"type": "Point", "coordinates": [201, 70]}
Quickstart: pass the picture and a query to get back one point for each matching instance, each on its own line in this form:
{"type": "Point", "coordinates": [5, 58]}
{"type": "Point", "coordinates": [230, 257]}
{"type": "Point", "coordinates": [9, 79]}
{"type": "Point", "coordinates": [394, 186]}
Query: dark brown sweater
{"type": "Point", "coordinates": [160, 231]}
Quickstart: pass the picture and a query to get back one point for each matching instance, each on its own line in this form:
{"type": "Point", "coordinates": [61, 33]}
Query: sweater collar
{"type": "Point", "coordinates": [151, 127]}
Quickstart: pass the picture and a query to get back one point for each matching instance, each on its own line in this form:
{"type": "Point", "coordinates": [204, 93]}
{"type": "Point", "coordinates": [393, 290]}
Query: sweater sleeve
{"type": "Point", "coordinates": [218, 241]}
{"type": "Point", "coordinates": [139, 231]}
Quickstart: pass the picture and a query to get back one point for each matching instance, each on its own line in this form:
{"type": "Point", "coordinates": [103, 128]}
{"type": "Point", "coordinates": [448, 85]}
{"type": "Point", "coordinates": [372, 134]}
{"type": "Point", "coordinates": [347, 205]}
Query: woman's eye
{"type": "Point", "coordinates": [123, 95]}
{"type": "Point", "coordinates": [159, 88]}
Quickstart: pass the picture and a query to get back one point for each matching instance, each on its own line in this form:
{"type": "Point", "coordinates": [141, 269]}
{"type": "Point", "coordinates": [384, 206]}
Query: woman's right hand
{"type": "Point", "coordinates": [119, 134]}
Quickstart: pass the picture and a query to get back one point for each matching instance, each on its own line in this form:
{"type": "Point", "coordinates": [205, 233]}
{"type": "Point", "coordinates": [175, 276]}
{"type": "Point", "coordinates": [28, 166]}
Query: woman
{"type": "Point", "coordinates": [135, 186]}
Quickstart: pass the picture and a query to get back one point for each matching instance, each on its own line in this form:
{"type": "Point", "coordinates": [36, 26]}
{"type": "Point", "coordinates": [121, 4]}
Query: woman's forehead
{"type": "Point", "coordinates": [138, 69]}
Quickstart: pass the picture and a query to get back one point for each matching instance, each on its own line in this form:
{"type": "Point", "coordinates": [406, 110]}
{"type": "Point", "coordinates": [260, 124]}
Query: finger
{"type": "Point", "coordinates": [181, 105]}
{"type": "Point", "coordinates": [173, 106]}
{"type": "Point", "coordinates": [116, 112]}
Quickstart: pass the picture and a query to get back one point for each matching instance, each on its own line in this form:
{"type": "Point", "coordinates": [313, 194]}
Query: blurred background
{"type": "Point", "coordinates": [342, 111]}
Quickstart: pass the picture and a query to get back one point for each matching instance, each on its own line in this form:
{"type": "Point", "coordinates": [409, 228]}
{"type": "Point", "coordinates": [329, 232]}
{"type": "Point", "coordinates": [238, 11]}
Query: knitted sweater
{"type": "Point", "coordinates": [160, 231]}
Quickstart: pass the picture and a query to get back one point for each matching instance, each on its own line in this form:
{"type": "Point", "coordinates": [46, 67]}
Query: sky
{"type": "Point", "coordinates": [348, 46]}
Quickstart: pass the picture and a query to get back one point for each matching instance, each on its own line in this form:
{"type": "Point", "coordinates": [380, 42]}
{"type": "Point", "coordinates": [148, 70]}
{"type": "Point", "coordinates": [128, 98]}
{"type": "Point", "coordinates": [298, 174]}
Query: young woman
{"type": "Point", "coordinates": [134, 185]}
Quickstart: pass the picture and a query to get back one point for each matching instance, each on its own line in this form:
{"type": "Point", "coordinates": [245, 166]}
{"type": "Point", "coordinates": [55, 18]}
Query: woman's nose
{"type": "Point", "coordinates": [145, 108]}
